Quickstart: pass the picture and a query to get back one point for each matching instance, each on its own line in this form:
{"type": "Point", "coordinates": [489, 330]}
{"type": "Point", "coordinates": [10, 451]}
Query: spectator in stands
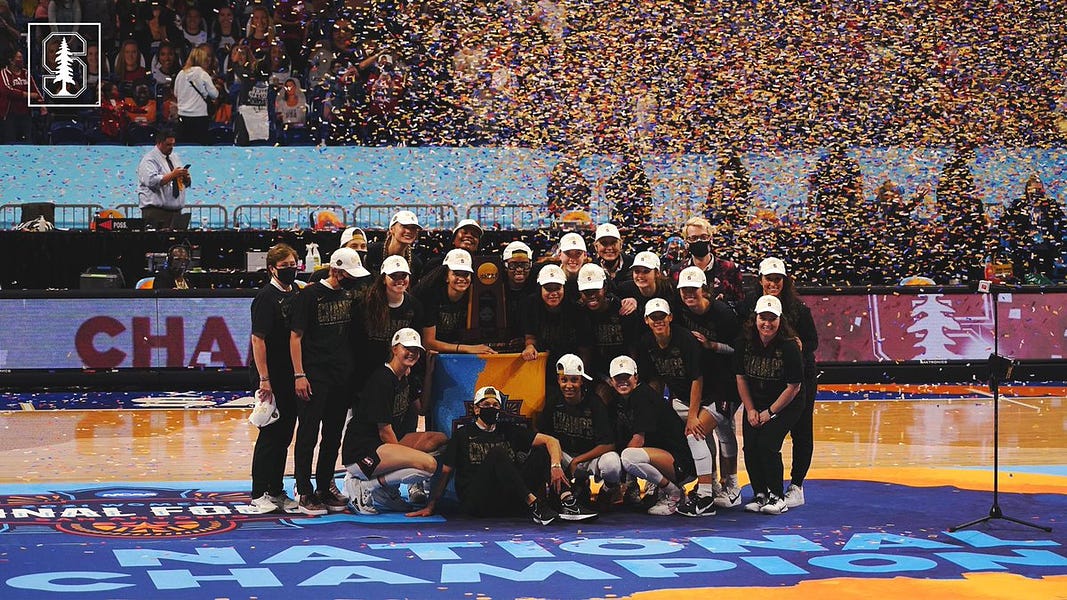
{"type": "Point", "coordinates": [252, 118]}
{"type": "Point", "coordinates": [669, 355]}
{"type": "Point", "coordinates": [141, 107]}
{"type": "Point", "coordinates": [629, 193]}
{"type": "Point", "coordinates": [496, 483]}
{"type": "Point", "coordinates": [1034, 227]}
{"type": "Point", "coordinates": [290, 18]}
{"type": "Point", "coordinates": [194, 29]}
{"type": "Point", "coordinates": [902, 248]}
{"type": "Point", "coordinates": [386, 81]}
{"type": "Point", "coordinates": [769, 372]}
{"type": "Point", "coordinates": [16, 126]}
{"type": "Point", "coordinates": [64, 11]}
{"type": "Point", "coordinates": [400, 240]}
{"type": "Point", "coordinates": [161, 183]}
{"type": "Point", "coordinates": [381, 449]}
{"type": "Point", "coordinates": [195, 90]}
{"type": "Point", "coordinates": [609, 254]}
{"type": "Point", "coordinates": [113, 118]}
{"type": "Point", "coordinates": [271, 371]}
{"type": "Point", "coordinates": [172, 277]}
{"type": "Point", "coordinates": [226, 33]}
{"type": "Point", "coordinates": [321, 351]}
{"type": "Point", "coordinates": [95, 68]}
{"type": "Point", "coordinates": [280, 68]}
{"type": "Point", "coordinates": [130, 68]}
{"type": "Point", "coordinates": [723, 275]}
{"type": "Point", "coordinates": [9, 35]}
{"type": "Point", "coordinates": [291, 107]}
{"type": "Point", "coordinates": [576, 417]}
{"type": "Point", "coordinates": [259, 32]}
{"type": "Point", "coordinates": [157, 26]}
{"type": "Point", "coordinates": [649, 438]}
{"type": "Point", "coordinates": [166, 65]}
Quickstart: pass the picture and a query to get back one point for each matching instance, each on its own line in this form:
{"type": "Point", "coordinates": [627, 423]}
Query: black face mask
{"type": "Point", "coordinates": [287, 275]}
{"type": "Point", "coordinates": [489, 414]}
{"type": "Point", "coordinates": [700, 249]}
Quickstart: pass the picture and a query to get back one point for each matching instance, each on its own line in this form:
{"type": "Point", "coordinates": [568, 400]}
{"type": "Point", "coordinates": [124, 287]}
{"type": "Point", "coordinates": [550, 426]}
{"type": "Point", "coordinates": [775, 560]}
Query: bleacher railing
{"type": "Point", "coordinates": [203, 216]}
{"type": "Point", "coordinates": [68, 216]}
{"type": "Point", "coordinates": [509, 216]}
{"type": "Point", "coordinates": [431, 216]}
{"type": "Point", "coordinates": [288, 216]}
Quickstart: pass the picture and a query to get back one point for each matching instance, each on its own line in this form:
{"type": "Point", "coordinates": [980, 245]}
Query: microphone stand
{"type": "Point", "coordinates": [997, 365]}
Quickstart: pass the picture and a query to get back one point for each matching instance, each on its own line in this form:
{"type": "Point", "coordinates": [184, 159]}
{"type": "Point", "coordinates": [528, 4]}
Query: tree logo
{"type": "Point", "coordinates": [64, 53]}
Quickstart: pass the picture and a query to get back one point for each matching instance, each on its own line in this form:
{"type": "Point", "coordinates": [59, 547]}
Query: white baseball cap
{"type": "Point", "coordinates": [622, 364]}
{"type": "Point", "coordinates": [570, 364]}
{"type": "Point", "coordinates": [551, 274]}
{"type": "Point", "coordinates": [458, 259]}
{"type": "Point", "coordinates": [394, 264]}
{"type": "Point", "coordinates": [656, 305]}
{"type": "Point", "coordinates": [571, 241]}
{"type": "Point", "coordinates": [408, 337]}
{"type": "Point", "coordinates": [648, 260]}
{"type": "Point", "coordinates": [468, 223]}
{"type": "Point", "coordinates": [772, 266]}
{"type": "Point", "coordinates": [404, 217]}
{"type": "Point", "coordinates": [607, 230]}
{"type": "Point", "coordinates": [517, 248]}
{"type": "Point", "coordinates": [266, 411]}
{"type": "Point", "coordinates": [769, 304]}
{"type": "Point", "coordinates": [348, 261]}
{"type": "Point", "coordinates": [488, 392]}
{"type": "Point", "coordinates": [692, 277]}
{"type": "Point", "coordinates": [351, 232]}
{"type": "Point", "coordinates": [591, 277]}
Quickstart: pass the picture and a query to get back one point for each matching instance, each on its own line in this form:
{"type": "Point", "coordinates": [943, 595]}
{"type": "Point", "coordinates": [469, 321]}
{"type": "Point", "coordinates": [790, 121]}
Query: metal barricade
{"type": "Point", "coordinates": [9, 215]}
{"type": "Point", "coordinates": [216, 214]}
{"type": "Point", "coordinates": [509, 216]}
{"type": "Point", "coordinates": [431, 216]}
{"type": "Point", "coordinates": [288, 216]}
{"type": "Point", "coordinates": [129, 210]}
{"type": "Point", "coordinates": [67, 216]}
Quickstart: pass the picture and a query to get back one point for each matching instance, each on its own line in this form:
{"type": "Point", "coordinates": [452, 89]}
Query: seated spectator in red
{"type": "Point", "coordinates": [113, 109]}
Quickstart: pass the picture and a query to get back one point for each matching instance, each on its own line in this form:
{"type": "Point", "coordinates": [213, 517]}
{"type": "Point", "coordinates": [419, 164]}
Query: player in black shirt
{"type": "Point", "coordinates": [714, 325]}
{"type": "Point", "coordinates": [271, 371]}
{"type": "Point", "coordinates": [492, 480]}
{"type": "Point", "coordinates": [448, 307]}
{"type": "Point", "coordinates": [769, 371]}
{"type": "Point", "coordinates": [609, 254]}
{"type": "Point", "coordinates": [319, 345]}
{"type": "Point", "coordinates": [380, 452]}
{"type": "Point", "coordinates": [580, 422]}
{"type": "Point", "coordinates": [670, 356]}
{"type": "Point", "coordinates": [649, 436]}
{"type": "Point", "coordinates": [552, 324]}
{"type": "Point", "coordinates": [600, 308]}
{"type": "Point", "coordinates": [520, 285]}
{"type": "Point", "coordinates": [647, 282]}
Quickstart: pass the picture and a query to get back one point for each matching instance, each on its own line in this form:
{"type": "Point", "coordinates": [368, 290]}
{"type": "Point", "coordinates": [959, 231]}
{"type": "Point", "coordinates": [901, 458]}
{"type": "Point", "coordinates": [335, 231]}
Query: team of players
{"type": "Point", "coordinates": [647, 367]}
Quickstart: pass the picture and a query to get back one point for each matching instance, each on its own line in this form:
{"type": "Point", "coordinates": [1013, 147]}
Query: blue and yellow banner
{"type": "Point", "coordinates": [457, 376]}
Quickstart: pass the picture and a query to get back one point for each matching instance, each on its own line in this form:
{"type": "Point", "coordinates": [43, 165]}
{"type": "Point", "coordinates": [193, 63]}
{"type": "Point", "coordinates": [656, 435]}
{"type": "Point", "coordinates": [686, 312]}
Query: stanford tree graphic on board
{"type": "Point", "coordinates": [64, 69]}
{"type": "Point", "coordinates": [934, 319]}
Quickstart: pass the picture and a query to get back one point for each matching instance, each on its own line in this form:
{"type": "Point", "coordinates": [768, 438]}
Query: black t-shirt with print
{"type": "Point", "coordinates": [578, 427]}
{"type": "Point", "coordinates": [646, 412]}
{"type": "Point", "coordinates": [608, 331]}
{"type": "Point", "coordinates": [373, 340]}
{"type": "Point", "coordinates": [769, 369]}
{"type": "Point", "coordinates": [558, 333]}
{"type": "Point", "coordinates": [385, 398]}
{"type": "Point", "coordinates": [719, 323]}
{"type": "Point", "coordinates": [471, 444]}
{"type": "Point", "coordinates": [677, 365]}
{"type": "Point", "coordinates": [323, 316]}
{"type": "Point", "coordinates": [449, 317]}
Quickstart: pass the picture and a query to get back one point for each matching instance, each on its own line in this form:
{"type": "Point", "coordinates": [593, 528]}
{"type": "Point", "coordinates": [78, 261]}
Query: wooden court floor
{"type": "Point", "coordinates": [855, 439]}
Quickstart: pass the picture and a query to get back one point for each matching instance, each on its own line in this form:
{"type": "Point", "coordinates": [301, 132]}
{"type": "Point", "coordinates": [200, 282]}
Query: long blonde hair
{"type": "Point", "coordinates": [202, 56]}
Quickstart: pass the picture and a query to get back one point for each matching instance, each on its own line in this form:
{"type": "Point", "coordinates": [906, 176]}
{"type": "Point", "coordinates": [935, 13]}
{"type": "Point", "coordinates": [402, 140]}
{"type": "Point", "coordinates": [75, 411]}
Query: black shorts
{"type": "Point", "coordinates": [367, 460]}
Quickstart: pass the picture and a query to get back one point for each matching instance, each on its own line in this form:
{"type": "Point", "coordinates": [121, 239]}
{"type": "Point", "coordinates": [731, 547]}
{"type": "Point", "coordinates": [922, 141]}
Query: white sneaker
{"type": "Point", "coordinates": [362, 497]}
{"type": "Point", "coordinates": [389, 498]}
{"type": "Point", "coordinates": [756, 504]}
{"type": "Point", "coordinates": [775, 506]}
{"type": "Point", "coordinates": [728, 497]}
{"type": "Point", "coordinates": [285, 503]}
{"type": "Point", "coordinates": [794, 496]}
{"type": "Point", "coordinates": [264, 504]}
{"type": "Point", "coordinates": [665, 505]}
{"type": "Point", "coordinates": [417, 493]}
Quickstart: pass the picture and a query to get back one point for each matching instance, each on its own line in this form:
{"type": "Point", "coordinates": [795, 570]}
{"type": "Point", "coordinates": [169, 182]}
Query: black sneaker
{"type": "Point", "coordinates": [572, 510]}
{"type": "Point", "coordinates": [581, 487]}
{"type": "Point", "coordinates": [695, 505]}
{"type": "Point", "coordinates": [541, 513]}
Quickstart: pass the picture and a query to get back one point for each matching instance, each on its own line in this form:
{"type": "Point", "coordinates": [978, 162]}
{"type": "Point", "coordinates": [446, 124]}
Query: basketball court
{"type": "Point", "coordinates": [146, 496]}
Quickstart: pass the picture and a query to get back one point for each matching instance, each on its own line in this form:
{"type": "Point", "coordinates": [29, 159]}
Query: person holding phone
{"type": "Point", "coordinates": [161, 184]}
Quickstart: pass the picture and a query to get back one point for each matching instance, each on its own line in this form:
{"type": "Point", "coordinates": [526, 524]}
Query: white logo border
{"type": "Point", "coordinates": [29, 63]}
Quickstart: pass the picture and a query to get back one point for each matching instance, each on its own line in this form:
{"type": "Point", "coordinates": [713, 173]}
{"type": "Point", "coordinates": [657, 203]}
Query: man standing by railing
{"type": "Point", "coordinates": [161, 183]}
